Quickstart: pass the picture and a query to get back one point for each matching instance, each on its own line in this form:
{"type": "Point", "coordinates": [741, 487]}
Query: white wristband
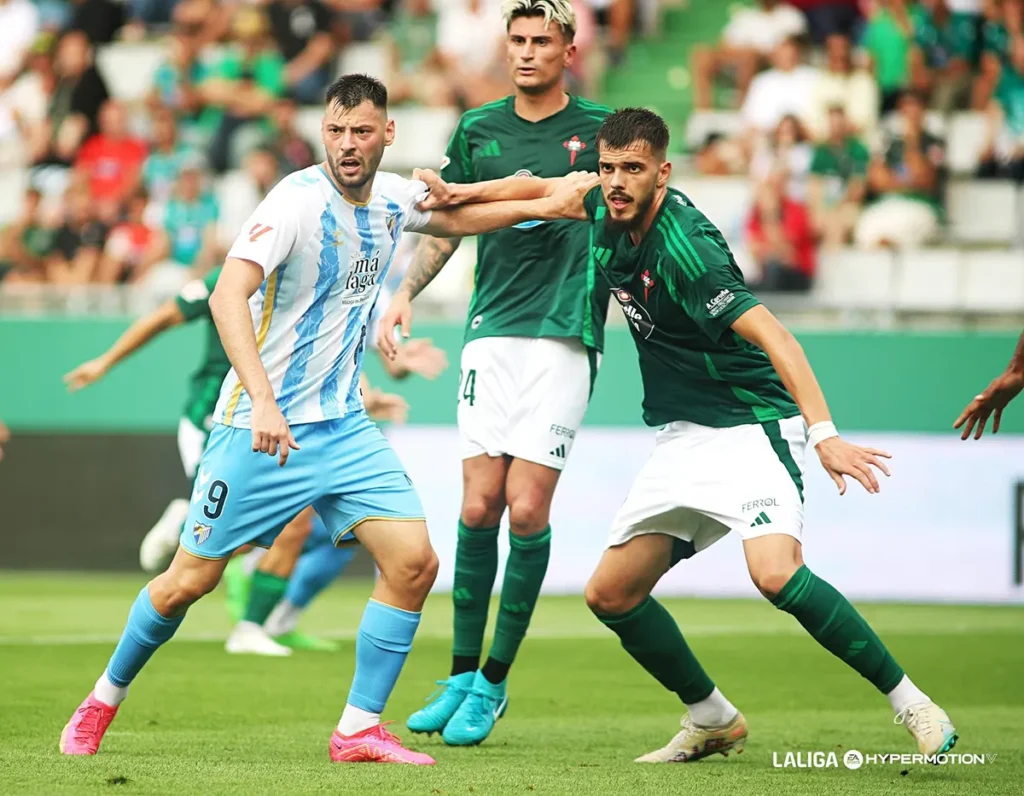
{"type": "Point", "coordinates": [820, 432]}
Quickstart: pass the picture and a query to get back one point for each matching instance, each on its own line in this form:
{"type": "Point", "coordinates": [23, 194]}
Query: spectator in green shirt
{"type": "Point", "coordinates": [887, 39]}
{"type": "Point", "coordinates": [1003, 156]}
{"type": "Point", "coordinates": [241, 89]}
{"type": "Point", "coordinates": [940, 60]}
{"type": "Point", "coordinates": [838, 181]}
{"type": "Point", "coordinates": [1003, 22]}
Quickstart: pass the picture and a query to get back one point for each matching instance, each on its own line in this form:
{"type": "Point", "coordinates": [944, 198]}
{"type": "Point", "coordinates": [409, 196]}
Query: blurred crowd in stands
{"type": "Point", "coordinates": [121, 194]}
{"type": "Point", "coordinates": [834, 99]}
{"type": "Point", "coordinates": [834, 96]}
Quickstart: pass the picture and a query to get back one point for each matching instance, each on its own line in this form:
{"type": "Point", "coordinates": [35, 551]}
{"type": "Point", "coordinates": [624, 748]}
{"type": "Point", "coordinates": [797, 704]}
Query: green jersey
{"type": "Point", "coordinates": [681, 290]}
{"type": "Point", "coordinates": [194, 302]}
{"type": "Point", "coordinates": [838, 165]}
{"type": "Point", "coordinates": [534, 279]}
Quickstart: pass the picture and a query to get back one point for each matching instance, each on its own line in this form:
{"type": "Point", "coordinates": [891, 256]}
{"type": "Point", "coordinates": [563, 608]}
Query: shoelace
{"type": "Point", "coordinates": [89, 724]}
{"type": "Point", "coordinates": [444, 684]}
{"type": "Point", "coordinates": [687, 727]}
{"type": "Point", "coordinates": [387, 735]}
{"type": "Point", "coordinates": [913, 719]}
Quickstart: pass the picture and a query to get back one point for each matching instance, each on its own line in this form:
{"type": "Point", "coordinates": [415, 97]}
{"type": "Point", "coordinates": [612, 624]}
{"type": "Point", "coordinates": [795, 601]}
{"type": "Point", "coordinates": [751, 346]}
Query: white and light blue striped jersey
{"type": "Point", "coordinates": [324, 258]}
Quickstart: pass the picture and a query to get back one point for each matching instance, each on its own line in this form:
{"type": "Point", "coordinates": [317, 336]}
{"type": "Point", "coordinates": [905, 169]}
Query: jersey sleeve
{"type": "Point", "coordinates": [194, 299]}
{"type": "Point", "coordinates": [592, 201]}
{"type": "Point", "coordinates": [414, 191]}
{"type": "Point", "coordinates": [457, 164]}
{"type": "Point", "coordinates": [271, 233]}
{"type": "Point", "coordinates": [703, 279]}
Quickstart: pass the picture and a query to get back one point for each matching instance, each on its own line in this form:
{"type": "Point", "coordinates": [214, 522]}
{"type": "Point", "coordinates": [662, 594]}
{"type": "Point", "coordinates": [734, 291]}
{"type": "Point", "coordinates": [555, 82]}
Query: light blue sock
{"type": "Point", "coordinates": [385, 638]}
{"type": "Point", "coordinates": [145, 632]}
{"type": "Point", "coordinates": [315, 571]}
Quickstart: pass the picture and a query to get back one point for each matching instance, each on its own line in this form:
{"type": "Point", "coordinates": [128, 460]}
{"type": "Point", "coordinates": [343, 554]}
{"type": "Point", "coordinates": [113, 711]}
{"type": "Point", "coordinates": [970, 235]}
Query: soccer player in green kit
{"type": "Point", "coordinates": [736, 403]}
{"type": "Point", "coordinates": [532, 342]}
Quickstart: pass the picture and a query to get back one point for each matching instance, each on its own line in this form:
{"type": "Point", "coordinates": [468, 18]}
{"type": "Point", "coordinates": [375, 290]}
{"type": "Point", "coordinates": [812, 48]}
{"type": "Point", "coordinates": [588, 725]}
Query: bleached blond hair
{"type": "Point", "coordinates": [559, 11]}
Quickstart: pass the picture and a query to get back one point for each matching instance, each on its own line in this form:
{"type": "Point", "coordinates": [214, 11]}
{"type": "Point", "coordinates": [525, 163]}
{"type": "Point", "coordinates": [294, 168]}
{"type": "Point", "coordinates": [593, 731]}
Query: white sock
{"type": "Point", "coordinates": [283, 619]}
{"type": "Point", "coordinates": [714, 711]}
{"type": "Point", "coordinates": [251, 559]}
{"type": "Point", "coordinates": [906, 694]}
{"type": "Point", "coordinates": [354, 720]}
{"type": "Point", "coordinates": [108, 693]}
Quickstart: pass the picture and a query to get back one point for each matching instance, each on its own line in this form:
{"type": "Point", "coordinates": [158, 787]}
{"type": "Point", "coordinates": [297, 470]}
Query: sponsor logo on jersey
{"type": "Point", "coordinates": [201, 532]}
{"type": "Point", "coordinates": [637, 315]}
{"type": "Point", "coordinates": [257, 231]}
{"type": "Point", "coordinates": [575, 146]}
{"type": "Point", "coordinates": [362, 275]}
{"type": "Point", "coordinates": [724, 298]}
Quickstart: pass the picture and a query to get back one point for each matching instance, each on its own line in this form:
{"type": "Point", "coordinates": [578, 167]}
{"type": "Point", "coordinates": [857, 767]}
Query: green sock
{"type": "Point", "coordinates": [836, 625]}
{"type": "Point", "coordinates": [652, 637]}
{"type": "Point", "coordinates": [524, 573]}
{"type": "Point", "coordinates": [267, 590]}
{"type": "Point", "coordinates": [476, 565]}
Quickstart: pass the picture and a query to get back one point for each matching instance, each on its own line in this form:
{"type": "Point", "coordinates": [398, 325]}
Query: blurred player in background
{"type": "Point", "coordinates": [1003, 389]}
{"type": "Point", "coordinates": [5, 436]}
{"type": "Point", "coordinates": [291, 305]}
{"type": "Point", "coordinates": [737, 403]}
{"type": "Point", "coordinates": [532, 342]}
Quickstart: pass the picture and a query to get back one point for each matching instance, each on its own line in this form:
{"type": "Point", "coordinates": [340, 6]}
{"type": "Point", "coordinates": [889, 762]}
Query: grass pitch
{"type": "Point", "coordinates": [199, 721]}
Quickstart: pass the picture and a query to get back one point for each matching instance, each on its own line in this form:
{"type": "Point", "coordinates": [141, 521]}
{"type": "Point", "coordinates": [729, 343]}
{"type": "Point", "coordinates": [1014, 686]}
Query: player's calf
{"type": "Point", "coordinates": [153, 619]}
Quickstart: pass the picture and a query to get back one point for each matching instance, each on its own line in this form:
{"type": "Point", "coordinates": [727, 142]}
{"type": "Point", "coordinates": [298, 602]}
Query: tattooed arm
{"type": "Point", "coordinates": [431, 255]}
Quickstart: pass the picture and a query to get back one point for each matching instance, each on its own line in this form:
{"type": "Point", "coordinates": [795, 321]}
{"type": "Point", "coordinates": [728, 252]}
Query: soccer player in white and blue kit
{"type": "Point", "coordinates": [291, 306]}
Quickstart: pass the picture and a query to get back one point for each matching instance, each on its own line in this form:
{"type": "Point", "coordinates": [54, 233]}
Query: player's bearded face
{"type": "Point", "coordinates": [354, 139]}
{"type": "Point", "coordinates": [630, 179]}
{"type": "Point", "coordinates": [537, 54]}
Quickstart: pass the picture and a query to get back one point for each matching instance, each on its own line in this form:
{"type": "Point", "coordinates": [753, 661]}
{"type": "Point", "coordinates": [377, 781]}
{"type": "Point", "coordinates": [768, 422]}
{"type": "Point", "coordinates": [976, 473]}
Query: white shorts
{"type": "Point", "coordinates": [191, 443]}
{"type": "Point", "coordinates": [701, 482]}
{"type": "Point", "coordinates": [523, 397]}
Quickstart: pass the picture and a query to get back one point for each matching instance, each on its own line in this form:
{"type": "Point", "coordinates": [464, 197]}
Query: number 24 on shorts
{"type": "Point", "coordinates": [467, 386]}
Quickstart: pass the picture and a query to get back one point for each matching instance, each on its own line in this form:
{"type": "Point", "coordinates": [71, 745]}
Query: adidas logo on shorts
{"type": "Point", "coordinates": [761, 519]}
{"type": "Point", "coordinates": [559, 452]}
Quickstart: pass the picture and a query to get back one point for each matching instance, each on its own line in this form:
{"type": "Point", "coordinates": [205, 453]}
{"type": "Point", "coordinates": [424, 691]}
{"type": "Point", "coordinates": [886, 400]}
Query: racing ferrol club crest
{"type": "Point", "coordinates": [575, 146]}
{"type": "Point", "coordinates": [648, 281]}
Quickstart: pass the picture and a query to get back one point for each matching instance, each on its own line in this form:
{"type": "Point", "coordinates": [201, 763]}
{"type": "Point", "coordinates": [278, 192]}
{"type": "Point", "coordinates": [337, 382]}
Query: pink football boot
{"type": "Point", "coordinates": [375, 745]}
{"type": "Point", "coordinates": [84, 731]}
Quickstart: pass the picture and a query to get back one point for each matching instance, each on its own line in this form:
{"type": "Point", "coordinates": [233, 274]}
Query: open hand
{"type": "Point", "coordinates": [841, 458]}
{"type": "Point", "coordinates": [387, 406]}
{"type": "Point", "coordinates": [997, 395]}
{"type": "Point", "coordinates": [85, 374]}
{"type": "Point", "coordinates": [423, 358]}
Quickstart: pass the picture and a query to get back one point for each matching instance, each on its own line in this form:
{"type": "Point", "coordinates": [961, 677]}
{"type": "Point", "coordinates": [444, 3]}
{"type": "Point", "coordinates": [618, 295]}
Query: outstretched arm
{"type": "Point", "coordinates": [444, 194]}
{"type": "Point", "coordinates": [758, 326]}
{"type": "Point", "coordinates": [1003, 389]}
{"type": "Point", "coordinates": [565, 200]}
{"type": "Point", "coordinates": [166, 316]}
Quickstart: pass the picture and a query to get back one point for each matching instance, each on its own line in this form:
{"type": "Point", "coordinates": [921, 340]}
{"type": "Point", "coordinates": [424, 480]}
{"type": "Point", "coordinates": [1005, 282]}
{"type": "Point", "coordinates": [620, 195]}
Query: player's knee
{"type": "Point", "coordinates": [771, 579]}
{"type": "Point", "coordinates": [528, 514]}
{"type": "Point", "coordinates": [416, 571]}
{"type": "Point", "coordinates": [482, 510]}
{"type": "Point", "coordinates": [173, 592]}
{"type": "Point", "coordinates": [607, 598]}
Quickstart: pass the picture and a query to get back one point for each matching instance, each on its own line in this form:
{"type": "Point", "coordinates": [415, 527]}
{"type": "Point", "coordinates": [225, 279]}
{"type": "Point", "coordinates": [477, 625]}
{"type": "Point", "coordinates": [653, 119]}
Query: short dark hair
{"type": "Point", "coordinates": [629, 125]}
{"type": "Point", "coordinates": [349, 91]}
{"type": "Point", "coordinates": [531, 8]}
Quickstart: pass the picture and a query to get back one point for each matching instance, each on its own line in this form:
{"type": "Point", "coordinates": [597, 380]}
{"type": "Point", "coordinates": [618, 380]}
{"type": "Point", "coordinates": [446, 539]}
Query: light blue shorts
{"type": "Point", "coordinates": [345, 469]}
